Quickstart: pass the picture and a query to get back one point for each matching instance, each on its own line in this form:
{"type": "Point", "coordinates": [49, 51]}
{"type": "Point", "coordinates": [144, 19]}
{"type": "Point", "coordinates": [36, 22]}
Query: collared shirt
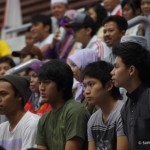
{"type": "Point", "coordinates": [136, 118]}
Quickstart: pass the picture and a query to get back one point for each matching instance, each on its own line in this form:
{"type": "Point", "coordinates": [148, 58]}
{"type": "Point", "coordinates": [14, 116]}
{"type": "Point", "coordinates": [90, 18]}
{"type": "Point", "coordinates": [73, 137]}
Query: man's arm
{"type": "Point", "coordinates": [122, 143]}
{"type": "Point", "coordinates": [91, 145]}
{"type": "Point", "coordinates": [75, 143]}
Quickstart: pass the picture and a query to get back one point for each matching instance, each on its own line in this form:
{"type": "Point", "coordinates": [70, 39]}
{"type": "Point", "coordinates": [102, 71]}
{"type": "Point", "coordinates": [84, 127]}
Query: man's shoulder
{"type": "Point", "coordinates": [30, 119]}
{"type": "Point", "coordinates": [4, 125]}
{"type": "Point", "coordinates": [72, 105]}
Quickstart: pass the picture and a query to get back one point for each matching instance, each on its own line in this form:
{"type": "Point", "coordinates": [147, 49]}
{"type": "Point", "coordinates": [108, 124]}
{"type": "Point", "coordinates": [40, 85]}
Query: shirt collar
{"type": "Point", "coordinates": [136, 93]}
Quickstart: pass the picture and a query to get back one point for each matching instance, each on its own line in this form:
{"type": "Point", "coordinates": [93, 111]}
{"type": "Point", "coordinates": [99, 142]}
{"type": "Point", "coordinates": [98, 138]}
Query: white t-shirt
{"type": "Point", "coordinates": [22, 136]}
{"type": "Point", "coordinates": [46, 41]}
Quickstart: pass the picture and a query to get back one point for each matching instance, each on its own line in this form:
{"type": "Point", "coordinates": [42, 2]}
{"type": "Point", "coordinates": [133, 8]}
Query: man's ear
{"type": "Point", "coordinates": [109, 86]}
{"type": "Point", "coordinates": [123, 32]}
{"type": "Point", "coordinates": [47, 28]}
{"type": "Point", "coordinates": [131, 70]}
{"type": "Point", "coordinates": [88, 31]}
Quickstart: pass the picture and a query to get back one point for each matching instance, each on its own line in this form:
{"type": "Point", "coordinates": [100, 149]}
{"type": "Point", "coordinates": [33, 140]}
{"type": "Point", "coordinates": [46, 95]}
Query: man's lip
{"type": "Point", "coordinates": [88, 98]}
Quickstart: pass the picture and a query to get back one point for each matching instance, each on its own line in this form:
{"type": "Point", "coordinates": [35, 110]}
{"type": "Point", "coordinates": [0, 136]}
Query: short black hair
{"type": "Point", "coordinates": [119, 20]}
{"type": "Point", "coordinates": [7, 59]}
{"type": "Point", "coordinates": [101, 71]}
{"type": "Point", "coordinates": [134, 54]}
{"type": "Point", "coordinates": [61, 74]}
{"type": "Point", "coordinates": [45, 19]}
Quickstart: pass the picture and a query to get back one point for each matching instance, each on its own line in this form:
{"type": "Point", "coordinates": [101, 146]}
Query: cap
{"type": "Point", "coordinates": [36, 66]}
{"type": "Point", "coordinates": [59, 1]}
{"type": "Point", "coordinates": [28, 50]}
{"type": "Point", "coordinates": [20, 83]}
{"type": "Point", "coordinates": [141, 40]}
{"type": "Point", "coordinates": [81, 20]}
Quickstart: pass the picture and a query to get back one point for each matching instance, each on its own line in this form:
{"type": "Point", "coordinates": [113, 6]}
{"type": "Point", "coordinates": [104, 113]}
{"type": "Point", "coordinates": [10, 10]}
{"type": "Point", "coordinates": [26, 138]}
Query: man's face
{"type": "Point", "coordinates": [49, 92]}
{"type": "Point", "coordinates": [112, 34]}
{"type": "Point", "coordinates": [58, 10]}
{"type": "Point", "coordinates": [8, 100]}
{"type": "Point", "coordinates": [110, 4]}
{"type": "Point", "coordinates": [145, 6]}
{"type": "Point", "coordinates": [94, 91]}
{"type": "Point", "coordinates": [120, 73]}
{"type": "Point", "coordinates": [80, 35]}
{"type": "Point", "coordinates": [3, 68]}
{"type": "Point", "coordinates": [38, 31]}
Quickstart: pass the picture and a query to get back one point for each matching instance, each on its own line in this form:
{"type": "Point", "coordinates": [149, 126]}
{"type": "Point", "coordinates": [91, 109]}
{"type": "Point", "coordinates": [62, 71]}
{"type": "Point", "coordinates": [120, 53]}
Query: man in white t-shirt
{"type": "Point", "coordinates": [41, 30]}
{"type": "Point", "coordinates": [18, 133]}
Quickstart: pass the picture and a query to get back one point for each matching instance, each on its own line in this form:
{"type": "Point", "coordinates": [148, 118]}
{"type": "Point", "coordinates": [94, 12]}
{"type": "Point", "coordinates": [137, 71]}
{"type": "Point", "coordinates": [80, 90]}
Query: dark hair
{"type": "Point", "coordinates": [134, 6]}
{"type": "Point", "coordinates": [7, 59]}
{"type": "Point", "coordinates": [2, 148]}
{"type": "Point", "coordinates": [90, 24]}
{"type": "Point", "coordinates": [119, 20]}
{"type": "Point", "coordinates": [45, 19]}
{"type": "Point", "coordinates": [101, 71]}
{"type": "Point", "coordinates": [136, 55]}
{"type": "Point", "coordinates": [61, 74]}
{"type": "Point", "coordinates": [101, 13]}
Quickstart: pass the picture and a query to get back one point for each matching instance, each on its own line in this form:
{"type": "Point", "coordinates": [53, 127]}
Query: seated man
{"type": "Point", "coordinates": [64, 126]}
{"type": "Point", "coordinates": [105, 129]}
{"type": "Point", "coordinates": [84, 29]}
{"type": "Point", "coordinates": [20, 130]}
{"type": "Point", "coordinates": [6, 63]}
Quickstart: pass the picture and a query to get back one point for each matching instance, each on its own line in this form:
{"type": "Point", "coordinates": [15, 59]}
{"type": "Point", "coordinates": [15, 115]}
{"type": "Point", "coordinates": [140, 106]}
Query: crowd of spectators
{"type": "Point", "coordinates": [89, 89]}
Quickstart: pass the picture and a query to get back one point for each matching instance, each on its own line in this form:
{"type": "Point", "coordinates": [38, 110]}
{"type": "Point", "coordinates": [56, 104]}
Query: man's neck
{"type": "Point", "coordinates": [108, 107]}
{"type": "Point", "coordinates": [86, 41]}
{"type": "Point", "coordinates": [58, 104]}
{"type": "Point", "coordinates": [15, 117]}
{"type": "Point", "coordinates": [44, 37]}
{"type": "Point", "coordinates": [134, 84]}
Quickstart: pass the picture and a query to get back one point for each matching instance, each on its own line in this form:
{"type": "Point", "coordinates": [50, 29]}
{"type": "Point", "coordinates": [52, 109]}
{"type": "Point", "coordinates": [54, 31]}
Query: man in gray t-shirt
{"type": "Point", "coordinates": [105, 130]}
{"type": "Point", "coordinates": [105, 133]}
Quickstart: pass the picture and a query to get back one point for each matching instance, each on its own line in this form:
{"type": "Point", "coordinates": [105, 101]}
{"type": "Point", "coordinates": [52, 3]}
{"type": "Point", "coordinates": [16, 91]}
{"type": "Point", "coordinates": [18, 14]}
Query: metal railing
{"type": "Point", "coordinates": [141, 19]}
{"type": "Point", "coordinates": [21, 67]}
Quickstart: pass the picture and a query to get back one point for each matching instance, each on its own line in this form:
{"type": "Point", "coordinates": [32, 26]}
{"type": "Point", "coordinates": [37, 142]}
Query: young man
{"type": "Point", "coordinates": [41, 31]}
{"type": "Point", "coordinates": [6, 63]}
{"type": "Point", "coordinates": [114, 28]}
{"type": "Point", "coordinates": [20, 130]}
{"type": "Point", "coordinates": [131, 71]}
{"type": "Point", "coordinates": [105, 130]}
{"type": "Point", "coordinates": [84, 29]}
{"type": "Point", "coordinates": [64, 127]}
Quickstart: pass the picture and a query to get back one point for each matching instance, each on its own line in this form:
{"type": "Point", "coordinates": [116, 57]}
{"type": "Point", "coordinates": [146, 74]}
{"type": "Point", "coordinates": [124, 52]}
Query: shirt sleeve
{"type": "Point", "coordinates": [89, 130]}
{"type": "Point", "coordinates": [40, 138]}
{"type": "Point", "coordinates": [119, 126]}
{"type": "Point", "coordinates": [29, 135]}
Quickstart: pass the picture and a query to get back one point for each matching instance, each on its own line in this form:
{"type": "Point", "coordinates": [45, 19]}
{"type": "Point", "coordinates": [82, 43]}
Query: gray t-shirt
{"type": "Point", "coordinates": [105, 134]}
